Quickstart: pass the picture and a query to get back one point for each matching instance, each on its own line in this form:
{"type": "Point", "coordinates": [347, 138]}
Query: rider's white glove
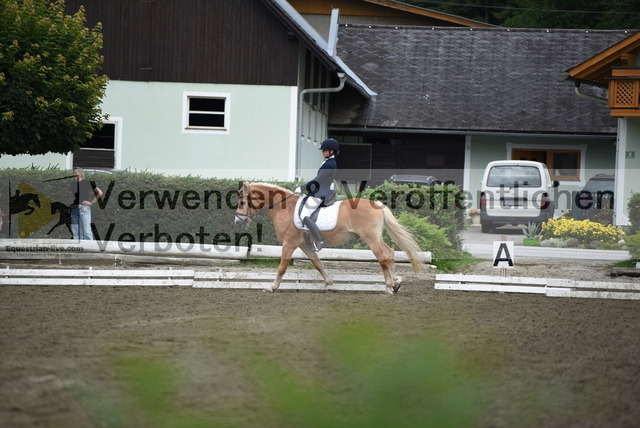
{"type": "Point", "coordinates": [298, 190]}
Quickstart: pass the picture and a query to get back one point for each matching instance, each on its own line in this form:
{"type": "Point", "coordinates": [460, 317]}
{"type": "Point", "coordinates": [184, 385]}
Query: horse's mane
{"type": "Point", "coordinates": [272, 187]}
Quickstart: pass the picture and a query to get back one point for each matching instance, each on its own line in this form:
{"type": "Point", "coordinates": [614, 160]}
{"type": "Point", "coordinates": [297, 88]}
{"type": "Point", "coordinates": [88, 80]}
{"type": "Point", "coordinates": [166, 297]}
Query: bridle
{"type": "Point", "coordinates": [245, 218]}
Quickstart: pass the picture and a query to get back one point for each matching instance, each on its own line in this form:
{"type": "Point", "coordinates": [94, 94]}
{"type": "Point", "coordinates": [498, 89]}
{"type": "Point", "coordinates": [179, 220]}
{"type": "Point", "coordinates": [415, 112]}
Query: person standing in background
{"type": "Point", "coordinates": [85, 194]}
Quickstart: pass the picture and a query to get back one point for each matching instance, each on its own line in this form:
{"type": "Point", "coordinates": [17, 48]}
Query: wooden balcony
{"type": "Point", "coordinates": [624, 91]}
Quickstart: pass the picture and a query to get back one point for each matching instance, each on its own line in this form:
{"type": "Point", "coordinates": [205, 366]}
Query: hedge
{"type": "Point", "coordinates": [143, 206]}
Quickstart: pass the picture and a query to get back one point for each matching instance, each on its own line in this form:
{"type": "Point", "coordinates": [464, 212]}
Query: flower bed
{"type": "Point", "coordinates": [586, 232]}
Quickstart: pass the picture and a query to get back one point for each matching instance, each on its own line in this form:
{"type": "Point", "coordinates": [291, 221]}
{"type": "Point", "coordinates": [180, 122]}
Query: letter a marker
{"type": "Point", "coordinates": [503, 254]}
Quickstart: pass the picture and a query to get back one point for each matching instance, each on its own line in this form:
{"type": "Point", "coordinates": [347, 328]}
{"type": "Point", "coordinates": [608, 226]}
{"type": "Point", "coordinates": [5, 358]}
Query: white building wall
{"type": "Point", "coordinates": [257, 145]}
{"type": "Point", "coordinates": [627, 166]}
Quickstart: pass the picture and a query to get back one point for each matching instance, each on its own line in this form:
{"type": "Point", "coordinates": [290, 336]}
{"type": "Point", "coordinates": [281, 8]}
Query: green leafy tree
{"type": "Point", "coordinates": [588, 14]}
{"type": "Point", "coordinates": [50, 86]}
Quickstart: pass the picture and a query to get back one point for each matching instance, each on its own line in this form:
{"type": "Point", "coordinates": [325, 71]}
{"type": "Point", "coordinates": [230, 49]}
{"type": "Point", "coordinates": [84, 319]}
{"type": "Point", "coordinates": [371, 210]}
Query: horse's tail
{"type": "Point", "coordinates": [403, 238]}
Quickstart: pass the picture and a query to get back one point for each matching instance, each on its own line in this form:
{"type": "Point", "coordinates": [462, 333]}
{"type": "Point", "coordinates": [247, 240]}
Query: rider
{"type": "Point", "coordinates": [320, 190]}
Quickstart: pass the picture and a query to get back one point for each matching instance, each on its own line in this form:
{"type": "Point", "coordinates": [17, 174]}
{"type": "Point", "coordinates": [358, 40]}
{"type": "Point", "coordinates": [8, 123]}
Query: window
{"type": "Point", "coordinates": [205, 112]}
{"type": "Point", "coordinates": [512, 175]}
{"type": "Point", "coordinates": [99, 151]}
{"type": "Point", "coordinates": [563, 164]}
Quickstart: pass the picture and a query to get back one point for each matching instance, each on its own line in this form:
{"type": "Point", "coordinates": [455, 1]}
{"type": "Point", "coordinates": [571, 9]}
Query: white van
{"type": "Point", "coordinates": [515, 192]}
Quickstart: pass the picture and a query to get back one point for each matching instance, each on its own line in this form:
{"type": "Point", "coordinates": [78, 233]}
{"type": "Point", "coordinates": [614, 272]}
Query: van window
{"type": "Point", "coordinates": [513, 175]}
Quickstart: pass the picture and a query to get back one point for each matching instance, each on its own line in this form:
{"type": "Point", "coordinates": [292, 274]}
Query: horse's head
{"type": "Point", "coordinates": [247, 200]}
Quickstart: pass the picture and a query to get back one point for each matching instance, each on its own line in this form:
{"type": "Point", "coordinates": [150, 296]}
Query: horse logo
{"type": "Point", "coordinates": [64, 216]}
{"type": "Point", "coordinates": [23, 202]}
{"type": "Point", "coordinates": [26, 204]}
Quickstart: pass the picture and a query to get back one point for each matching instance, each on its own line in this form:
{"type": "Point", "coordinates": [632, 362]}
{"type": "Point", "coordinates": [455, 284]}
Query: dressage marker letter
{"type": "Point", "coordinates": [503, 254]}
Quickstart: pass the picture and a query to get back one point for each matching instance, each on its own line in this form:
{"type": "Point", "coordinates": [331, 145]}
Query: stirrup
{"type": "Point", "coordinates": [318, 245]}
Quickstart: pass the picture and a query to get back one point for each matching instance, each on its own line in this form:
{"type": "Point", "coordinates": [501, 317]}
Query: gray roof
{"type": "Point", "coordinates": [478, 79]}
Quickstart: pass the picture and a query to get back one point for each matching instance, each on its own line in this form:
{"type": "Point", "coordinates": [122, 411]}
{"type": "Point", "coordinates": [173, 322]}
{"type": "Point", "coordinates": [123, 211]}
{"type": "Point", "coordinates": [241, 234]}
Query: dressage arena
{"type": "Point", "coordinates": [68, 350]}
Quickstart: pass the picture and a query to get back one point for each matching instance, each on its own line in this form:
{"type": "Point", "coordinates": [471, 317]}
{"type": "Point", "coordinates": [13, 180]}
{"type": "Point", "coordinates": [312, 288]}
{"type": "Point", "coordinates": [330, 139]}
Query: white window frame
{"type": "Point", "coordinates": [186, 129]}
{"type": "Point", "coordinates": [117, 144]}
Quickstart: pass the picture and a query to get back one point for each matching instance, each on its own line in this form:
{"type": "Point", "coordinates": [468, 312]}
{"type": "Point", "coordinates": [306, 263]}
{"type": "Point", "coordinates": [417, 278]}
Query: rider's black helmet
{"type": "Point", "coordinates": [330, 144]}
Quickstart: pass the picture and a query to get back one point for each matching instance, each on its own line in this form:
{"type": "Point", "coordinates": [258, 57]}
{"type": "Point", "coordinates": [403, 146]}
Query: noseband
{"type": "Point", "coordinates": [246, 217]}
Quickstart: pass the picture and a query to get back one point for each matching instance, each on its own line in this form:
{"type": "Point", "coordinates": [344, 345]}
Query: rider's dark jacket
{"type": "Point", "coordinates": [320, 186]}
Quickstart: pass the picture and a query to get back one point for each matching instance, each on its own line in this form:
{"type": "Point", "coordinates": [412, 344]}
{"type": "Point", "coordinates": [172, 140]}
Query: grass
{"type": "Point", "coordinates": [455, 264]}
{"type": "Point", "coordinates": [420, 381]}
{"type": "Point", "coordinates": [265, 263]}
{"type": "Point", "coordinates": [627, 264]}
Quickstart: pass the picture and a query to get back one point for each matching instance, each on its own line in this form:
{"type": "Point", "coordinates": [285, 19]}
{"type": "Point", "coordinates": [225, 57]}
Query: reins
{"type": "Point", "coordinates": [282, 200]}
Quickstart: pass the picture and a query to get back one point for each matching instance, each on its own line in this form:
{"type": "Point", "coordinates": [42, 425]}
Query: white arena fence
{"type": "Point", "coordinates": [551, 287]}
{"type": "Point", "coordinates": [68, 248]}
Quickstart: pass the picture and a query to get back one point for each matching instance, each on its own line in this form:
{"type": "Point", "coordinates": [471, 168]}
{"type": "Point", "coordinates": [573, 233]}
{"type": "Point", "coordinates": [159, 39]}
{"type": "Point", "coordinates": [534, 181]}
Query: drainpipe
{"type": "Point", "coordinates": [588, 96]}
{"type": "Point", "coordinates": [343, 79]}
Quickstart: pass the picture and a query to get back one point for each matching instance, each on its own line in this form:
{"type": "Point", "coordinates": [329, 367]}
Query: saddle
{"type": "Point", "coordinates": [327, 217]}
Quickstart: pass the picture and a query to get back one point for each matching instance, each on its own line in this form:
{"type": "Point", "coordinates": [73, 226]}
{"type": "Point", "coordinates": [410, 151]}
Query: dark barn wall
{"type": "Point", "coordinates": [383, 155]}
{"type": "Point", "coordinates": [200, 41]}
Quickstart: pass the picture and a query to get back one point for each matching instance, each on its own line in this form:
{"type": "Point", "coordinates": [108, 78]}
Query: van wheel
{"type": "Point", "coordinates": [487, 227]}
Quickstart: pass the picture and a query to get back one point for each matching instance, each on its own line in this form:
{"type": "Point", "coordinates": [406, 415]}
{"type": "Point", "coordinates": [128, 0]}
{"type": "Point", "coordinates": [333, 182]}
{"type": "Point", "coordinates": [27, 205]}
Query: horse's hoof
{"type": "Point", "coordinates": [267, 290]}
{"type": "Point", "coordinates": [396, 288]}
{"type": "Point", "coordinates": [390, 291]}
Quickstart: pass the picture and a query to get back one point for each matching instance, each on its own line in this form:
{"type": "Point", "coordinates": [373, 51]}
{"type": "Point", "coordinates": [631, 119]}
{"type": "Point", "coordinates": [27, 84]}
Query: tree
{"type": "Point", "coordinates": [50, 86]}
{"type": "Point", "coordinates": [587, 14]}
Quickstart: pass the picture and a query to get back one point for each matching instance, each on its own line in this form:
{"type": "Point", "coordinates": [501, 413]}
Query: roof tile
{"type": "Point", "coordinates": [485, 80]}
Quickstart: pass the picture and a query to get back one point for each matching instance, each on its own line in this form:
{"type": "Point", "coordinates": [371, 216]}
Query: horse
{"type": "Point", "coordinates": [356, 217]}
{"type": "Point", "coordinates": [64, 215]}
{"type": "Point", "coordinates": [22, 202]}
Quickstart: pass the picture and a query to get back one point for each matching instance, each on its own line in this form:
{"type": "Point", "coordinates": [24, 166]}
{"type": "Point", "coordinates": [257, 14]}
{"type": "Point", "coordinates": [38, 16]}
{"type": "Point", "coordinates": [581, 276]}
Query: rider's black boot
{"type": "Point", "coordinates": [318, 242]}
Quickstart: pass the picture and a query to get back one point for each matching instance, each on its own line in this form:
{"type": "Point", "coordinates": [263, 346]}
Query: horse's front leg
{"type": "Point", "coordinates": [317, 263]}
{"type": "Point", "coordinates": [285, 258]}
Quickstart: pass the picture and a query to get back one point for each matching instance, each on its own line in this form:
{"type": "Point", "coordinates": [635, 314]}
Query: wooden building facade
{"type": "Point", "coordinates": [198, 41]}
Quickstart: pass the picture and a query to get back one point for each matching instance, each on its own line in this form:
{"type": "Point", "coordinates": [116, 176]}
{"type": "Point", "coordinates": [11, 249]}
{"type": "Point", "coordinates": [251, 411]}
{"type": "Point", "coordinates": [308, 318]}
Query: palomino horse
{"type": "Point", "coordinates": [360, 217]}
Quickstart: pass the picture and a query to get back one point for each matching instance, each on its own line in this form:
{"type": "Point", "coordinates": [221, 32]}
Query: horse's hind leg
{"type": "Point", "coordinates": [317, 263]}
{"type": "Point", "coordinates": [384, 255]}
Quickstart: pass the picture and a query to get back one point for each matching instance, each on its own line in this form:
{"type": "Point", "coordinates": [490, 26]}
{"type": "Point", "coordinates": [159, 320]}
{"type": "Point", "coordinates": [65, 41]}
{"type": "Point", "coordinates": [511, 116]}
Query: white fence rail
{"type": "Point", "coordinates": [24, 248]}
{"type": "Point", "coordinates": [220, 279]}
{"type": "Point", "coordinates": [552, 287]}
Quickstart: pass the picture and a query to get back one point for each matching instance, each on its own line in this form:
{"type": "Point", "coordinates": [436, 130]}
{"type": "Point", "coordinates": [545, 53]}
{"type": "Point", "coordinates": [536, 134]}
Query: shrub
{"type": "Point", "coordinates": [585, 231]}
{"type": "Point", "coordinates": [428, 236]}
{"type": "Point", "coordinates": [144, 206]}
{"type": "Point", "coordinates": [442, 205]}
{"type": "Point", "coordinates": [633, 204]}
{"type": "Point", "coordinates": [633, 243]}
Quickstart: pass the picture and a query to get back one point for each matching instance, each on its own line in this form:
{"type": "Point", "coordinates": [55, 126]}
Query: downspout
{"type": "Point", "coordinates": [588, 96]}
{"type": "Point", "coordinates": [343, 79]}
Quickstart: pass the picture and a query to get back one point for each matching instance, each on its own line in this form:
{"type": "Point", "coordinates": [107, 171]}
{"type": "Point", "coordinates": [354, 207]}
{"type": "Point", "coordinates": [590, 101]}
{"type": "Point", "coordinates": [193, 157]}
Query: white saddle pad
{"type": "Point", "coordinates": [327, 217]}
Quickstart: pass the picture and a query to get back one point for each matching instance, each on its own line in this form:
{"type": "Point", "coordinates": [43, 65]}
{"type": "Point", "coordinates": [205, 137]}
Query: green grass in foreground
{"type": "Point", "coordinates": [628, 264]}
{"type": "Point", "coordinates": [455, 264]}
{"type": "Point", "coordinates": [373, 380]}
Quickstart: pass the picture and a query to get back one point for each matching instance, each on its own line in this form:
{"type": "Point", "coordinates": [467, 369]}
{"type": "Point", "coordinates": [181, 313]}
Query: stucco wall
{"type": "Point", "coordinates": [628, 161]}
{"type": "Point", "coordinates": [258, 145]}
{"type": "Point", "coordinates": [599, 158]}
